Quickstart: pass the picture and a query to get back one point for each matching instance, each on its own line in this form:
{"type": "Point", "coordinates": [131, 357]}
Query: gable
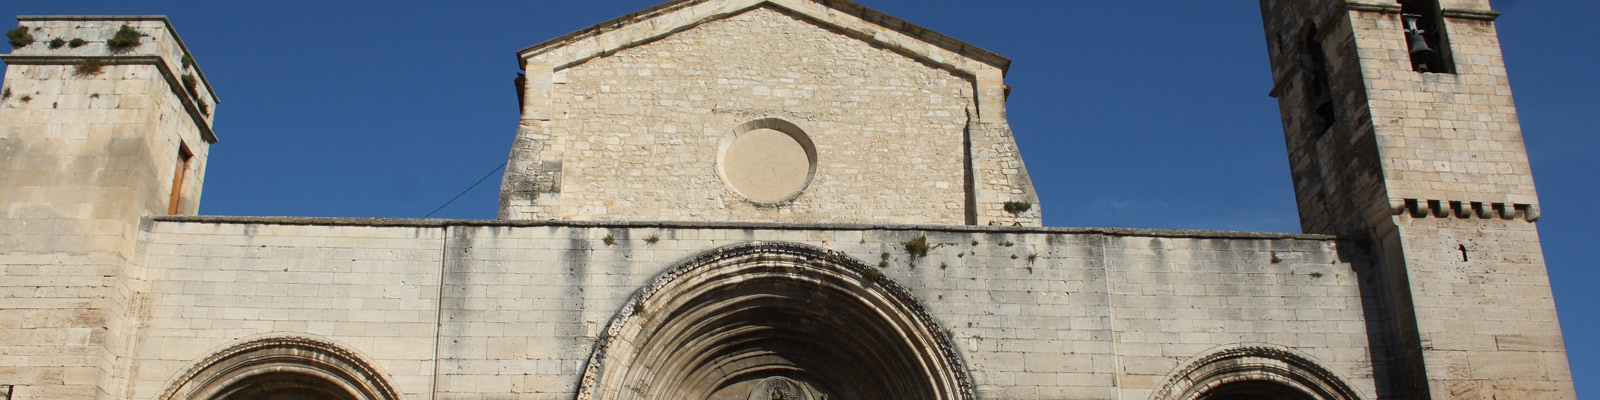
{"type": "Point", "coordinates": [851, 18]}
{"type": "Point", "coordinates": [652, 124]}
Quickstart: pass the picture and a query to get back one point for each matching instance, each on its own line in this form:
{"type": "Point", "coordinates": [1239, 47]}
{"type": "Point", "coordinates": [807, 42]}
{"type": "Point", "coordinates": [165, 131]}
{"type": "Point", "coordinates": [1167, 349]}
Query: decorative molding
{"type": "Point", "coordinates": [189, 102]}
{"type": "Point", "coordinates": [767, 252]}
{"type": "Point", "coordinates": [314, 352]}
{"type": "Point", "coordinates": [858, 11]}
{"type": "Point", "coordinates": [1462, 13]}
{"type": "Point", "coordinates": [1253, 362]}
{"type": "Point", "coordinates": [1423, 208]}
{"type": "Point", "coordinates": [1387, 8]}
{"type": "Point", "coordinates": [162, 18]}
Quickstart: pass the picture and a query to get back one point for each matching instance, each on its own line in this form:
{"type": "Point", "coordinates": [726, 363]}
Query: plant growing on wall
{"type": "Point", "coordinates": [917, 247]}
{"type": "Point", "coordinates": [1018, 207]}
{"type": "Point", "coordinates": [187, 61]}
{"type": "Point", "coordinates": [89, 66]}
{"type": "Point", "coordinates": [125, 38]}
{"type": "Point", "coordinates": [57, 43]}
{"type": "Point", "coordinates": [190, 84]}
{"type": "Point", "coordinates": [19, 37]}
{"type": "Point", "coordinates": [76, 43]}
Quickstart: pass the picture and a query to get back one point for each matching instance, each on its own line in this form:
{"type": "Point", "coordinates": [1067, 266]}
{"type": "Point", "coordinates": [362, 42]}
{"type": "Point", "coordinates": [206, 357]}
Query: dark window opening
{"type": "Point", "coordinates": [1463, 252]}
{"type": "Point", "coordinates": [1319, 89]}
{"type": "Point", "coordinates": [178, 174]}
{"type": "Point", "coordinates": [1426, 41]}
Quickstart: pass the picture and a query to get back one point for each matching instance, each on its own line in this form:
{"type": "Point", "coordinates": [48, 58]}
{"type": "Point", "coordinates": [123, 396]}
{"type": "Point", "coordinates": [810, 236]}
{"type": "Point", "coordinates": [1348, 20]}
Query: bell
{"type": "Point", "coordinates": [1414, 39]}
{"type": "Point", "coordinates": [1419, 46]}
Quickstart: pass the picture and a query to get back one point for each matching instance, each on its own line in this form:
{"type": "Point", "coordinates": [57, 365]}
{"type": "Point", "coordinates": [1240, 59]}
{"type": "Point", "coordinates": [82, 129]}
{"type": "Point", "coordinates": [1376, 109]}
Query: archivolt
{"type": "Point", "coordinates": [728, 318]}
{"type": "Point", "coordinates": [1252, 368]}
{"type": "Point", "coordinates": [284, 363]}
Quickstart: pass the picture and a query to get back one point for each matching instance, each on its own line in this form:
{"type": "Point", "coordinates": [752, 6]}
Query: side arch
{"type": "Point", "coordinates": [728, 321]}
{"type": "Point", "coordinates": [278, 366]}
{"type": "Point", "coordinates": [1256, 371]}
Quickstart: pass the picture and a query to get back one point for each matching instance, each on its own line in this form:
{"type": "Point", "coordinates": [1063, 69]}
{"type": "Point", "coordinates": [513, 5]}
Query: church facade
{"type": "Point", "coordinates": [782, 199]}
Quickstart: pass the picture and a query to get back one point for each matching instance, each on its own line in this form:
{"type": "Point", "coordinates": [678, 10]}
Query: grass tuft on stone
{"type": "Point", "coordinates": [57, 43]}
{"type": "Point", "coordinates": [126, 38]}
{"type": "Point", "coordinates": [19, 37]}
{"type": "Point", "coordinates": [918, 247]}
{"type": "Point", "coordinates": [192, 85]}
{"type": "Point", "coordinates": [1018, 207]}
{"type": "Point", "coordinates": [871, 275]}
{"type": "Point", "coordinates": [88, 67]}
{"type": "Point", "coordinates": [76, 43]}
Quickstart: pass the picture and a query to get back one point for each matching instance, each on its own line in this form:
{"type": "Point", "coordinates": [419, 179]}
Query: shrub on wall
{"type": "Point", "coordinates": [125, 38]}
{"type": "Point", "coordinates": [190, 84]}
{"type": "Point", "coordinates": [19, 37]}
{"type": "Point", "coordinates": [89, 66]}
{"type": "Point", "coordinates": [76, 43]}
{"type": "Point", "coordinates": [57, 43]}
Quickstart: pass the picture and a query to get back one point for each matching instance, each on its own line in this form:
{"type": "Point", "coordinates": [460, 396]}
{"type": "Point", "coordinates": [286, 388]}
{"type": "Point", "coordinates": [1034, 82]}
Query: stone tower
{"type": "Point", "coordinates": [105, 120]}
{"type": "Point", "coordinates": [1402, 134]}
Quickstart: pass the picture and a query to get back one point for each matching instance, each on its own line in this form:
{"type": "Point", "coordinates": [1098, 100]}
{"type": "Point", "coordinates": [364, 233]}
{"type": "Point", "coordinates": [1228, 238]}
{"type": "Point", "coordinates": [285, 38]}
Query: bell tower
{"type": "Point", "coordinates": [1402, 134]}
{"type": "Point", "coordinates": [104, 120]}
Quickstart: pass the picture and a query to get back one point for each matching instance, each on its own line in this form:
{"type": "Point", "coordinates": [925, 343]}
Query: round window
{"type": "Point", "coordinates": [768, 161]}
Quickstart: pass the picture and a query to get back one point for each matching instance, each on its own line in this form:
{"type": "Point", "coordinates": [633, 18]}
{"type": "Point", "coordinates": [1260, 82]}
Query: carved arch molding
{"type": "Point", "coordinates": [1259, 372]}
{"type": "Point", "coordinates": [281, 368]}
{"type": "Point", "coordinates": [768, 320]}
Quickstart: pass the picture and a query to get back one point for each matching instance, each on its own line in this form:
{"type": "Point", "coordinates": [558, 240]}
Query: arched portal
{"type": "Point", "coordinates": [281, 368]}
{"type": "Point", "coordinates": [778, 320]}
{"type": "Point", "coordinates": [1257, 372]}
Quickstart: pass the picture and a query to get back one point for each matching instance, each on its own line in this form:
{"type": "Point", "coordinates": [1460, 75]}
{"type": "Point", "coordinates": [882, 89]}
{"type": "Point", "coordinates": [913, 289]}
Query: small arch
{"type": "Point", "coordinates": [281, 367]}
{"type": "Point", "coordinates": [727, 321]}
{"type": "Point", "coordinates": [1253, 372]}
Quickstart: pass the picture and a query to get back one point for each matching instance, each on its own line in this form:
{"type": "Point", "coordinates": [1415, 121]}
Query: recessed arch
{"type": "Point", "coordinates": [1258, 371]}
{"type": "Point", "coordinates": [728, 321]}
{"type": "Point", "coordinates": [281, 367]}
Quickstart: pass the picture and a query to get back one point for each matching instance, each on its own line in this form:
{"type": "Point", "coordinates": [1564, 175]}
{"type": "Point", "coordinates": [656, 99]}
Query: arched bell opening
{"type": "Point", "coordinates": [793, 320]}
{"type": "Point", "coordinates": [281, 368]}
{"type": "Point", "coordinates": [1256, 372]}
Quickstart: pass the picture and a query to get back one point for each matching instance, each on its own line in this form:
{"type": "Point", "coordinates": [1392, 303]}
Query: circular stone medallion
{"type": "Point", "coordinates": [766, 165]}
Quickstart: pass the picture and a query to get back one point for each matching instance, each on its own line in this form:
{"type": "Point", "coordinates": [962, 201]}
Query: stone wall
{"type": "Point", "coordinates": [1431, 170]}
{"type": "Point", "coordinates": [84, 154]}
{"type": "Point", "coordinates": [901, 133]}
{"type": "Point", "coordinates": [1034, 313]}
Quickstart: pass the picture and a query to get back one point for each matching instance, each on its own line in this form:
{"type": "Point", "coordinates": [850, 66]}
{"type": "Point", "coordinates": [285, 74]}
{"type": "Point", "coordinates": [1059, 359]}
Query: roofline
{"type": "Point", "coordinates": [811, 226]}
{"type": "Point", "coordinates": [859, 11]}
{"type": "Point", "coordinates": [161, 18]}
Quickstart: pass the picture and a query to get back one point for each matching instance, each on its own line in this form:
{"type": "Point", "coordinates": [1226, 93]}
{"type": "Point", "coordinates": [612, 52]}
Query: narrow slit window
{"type": "Point", "coordinates": [1319, 89]}
{"type": "Point", "coordinates": [1426, 40]}
{"type": "Point", "coordinates": [178, 175]}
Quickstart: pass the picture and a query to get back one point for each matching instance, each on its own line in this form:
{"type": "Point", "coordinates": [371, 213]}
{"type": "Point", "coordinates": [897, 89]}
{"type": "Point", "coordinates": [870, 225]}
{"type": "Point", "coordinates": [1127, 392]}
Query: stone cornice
{"type": "Point", "coordinates": [440, 223]}
{"type": "Point", "coordinates": [1460, 13]}
{"type": "Point", "coordinates": [199, 73]}
{"type": "Point", "coordinates": [844, 7]}
{"type": "Point", "coordinates": [167, 74]}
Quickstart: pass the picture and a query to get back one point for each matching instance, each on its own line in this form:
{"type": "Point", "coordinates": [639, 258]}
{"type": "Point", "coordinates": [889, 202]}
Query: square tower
{"type": "Point", "coordinates": [104, 120]}
{"type": "Point", "coordinates": [1402, 133]}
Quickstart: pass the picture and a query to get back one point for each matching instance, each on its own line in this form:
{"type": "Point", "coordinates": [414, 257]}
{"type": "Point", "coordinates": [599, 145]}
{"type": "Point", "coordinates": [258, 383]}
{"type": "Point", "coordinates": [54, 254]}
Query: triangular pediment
{"type": "Point", "coordinates": [844, 16]}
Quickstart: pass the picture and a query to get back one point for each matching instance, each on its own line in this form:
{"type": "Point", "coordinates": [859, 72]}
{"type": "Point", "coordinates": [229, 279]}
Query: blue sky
{"type": "Point", "coordinates": [1129, 114]}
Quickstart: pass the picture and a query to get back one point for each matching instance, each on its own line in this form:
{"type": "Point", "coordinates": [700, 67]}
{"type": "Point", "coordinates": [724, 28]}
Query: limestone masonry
{"type": "Point", "coordinates": [782, 199]}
